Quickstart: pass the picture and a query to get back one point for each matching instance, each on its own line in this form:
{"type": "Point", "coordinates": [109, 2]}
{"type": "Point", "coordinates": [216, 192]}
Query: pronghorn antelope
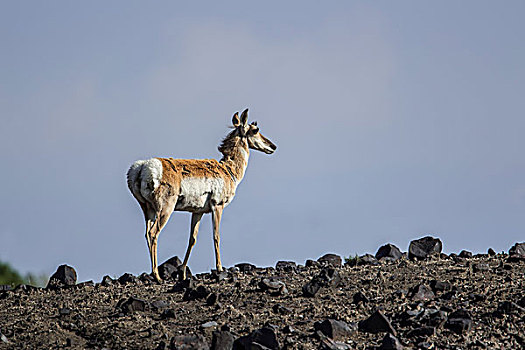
{"type": "Point", "coordinates": [199, 186]}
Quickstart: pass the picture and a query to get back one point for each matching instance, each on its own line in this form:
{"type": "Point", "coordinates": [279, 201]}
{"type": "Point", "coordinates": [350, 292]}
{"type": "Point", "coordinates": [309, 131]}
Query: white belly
{"type": "Point", "coordinates": [198, 193]}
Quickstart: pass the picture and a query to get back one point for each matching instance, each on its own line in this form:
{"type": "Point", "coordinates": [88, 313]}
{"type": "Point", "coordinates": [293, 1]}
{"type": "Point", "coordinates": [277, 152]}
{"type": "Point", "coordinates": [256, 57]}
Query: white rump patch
{"type": "Point", "coordinates": [144, 177]}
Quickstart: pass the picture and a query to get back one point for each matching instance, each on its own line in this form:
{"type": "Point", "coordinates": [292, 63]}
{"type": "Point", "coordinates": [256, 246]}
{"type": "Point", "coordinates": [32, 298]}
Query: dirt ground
{"type": "Point", "coordinates": [269, 308]}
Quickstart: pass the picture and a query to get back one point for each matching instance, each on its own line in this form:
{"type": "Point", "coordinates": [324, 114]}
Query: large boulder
{"type": "Point", "coordinates": [424, 248]}
{"type": "Point", "coordinates": [388, 251]}
{"type": "Point", "coordinates": [517, 252]}
{"type": "Point", "coordinates": [65, 276]}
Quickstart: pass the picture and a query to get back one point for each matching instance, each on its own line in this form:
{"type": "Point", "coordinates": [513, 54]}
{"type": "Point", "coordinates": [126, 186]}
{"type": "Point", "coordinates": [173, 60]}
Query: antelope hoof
{"type": "Point", "coordinates": [157, 276]}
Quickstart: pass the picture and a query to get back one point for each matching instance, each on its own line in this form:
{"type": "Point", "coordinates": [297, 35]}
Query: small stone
{"type": "Point", "coordinates": [421, 293]}
{"type": "Point", "coordinates": [421, 332]}
{"type": "Point", "coordinates": [200, 292]}
{"type": "Point", "coordinates": [209, 324]}
{"type": "Point", "coordinates": [465, 254]}
{"type": "Point", "coordinates": [491, 252]}
{"type": "Point", "coordinates": [359, 298]}
{"type": "Point", "coordinates": [193, 342]}
{"type": "Point", "coordinates": [459, 321]}
{"type": "Point", "coordinates": [388, 251]}
{"type": "Point", "coordinates": [132, 304]}
{"type": "Point", "coordinates": [265, 336]}
{"type": "Point", "coordinates": [107, 281]}
{"type": "Point", "coordinates": [286, 266]}
{"type": "Point", "coordinates": [160, 304]}
{"type": "Point", "coordinates": [481, 267]}
{"type": "Point", "coordinates": [367, 259]}
{"type": "Point", "coordinates": [311, 263]}
{"type": "Point", "coordinates": [146, 278]}
{"type": "Point", "coordinates": [336, 330]}
{"type": "Point", "coordinates": [288, 329]}
{"type": "Point", "coordinates": [211, 299]}
{"type": "Point", "coordinates": [311, 288]}
{"type": "Point", "coordinates": [281, 310]}
{"type": "Point", "coordinates": [65, 276]}
{"type": "Point", "coordinates": [64, 311]}
{"type": "Point", "coordinates": [390, 342]}
{"type": "Point", "coordinates": [333, 260]}
{"type": "Point", "coordinates": [376, 323]}
{"type": "Point", "coordinates": [128, 278]}
{"type": "Point", "coordinates": [222, 340]}
{"type": "Point", "coordinates": [168, 313]}
{"type": "Point", "coordinates": [508, 307]}
{"type": "Point", "coordinates": [273, 286]}
{"type": "Point", "coordinates": [181, 286]}
{"type": "Point", "coordinates": [517, 252]}
{"type": "Point", "coordinates": [246, 267]}
{"type": "Point", "coordinates": [219, 276]}
{"type": "Point", "coordinates": [424, 247]}
{"type": "Point", "coordinates": [438, 286]}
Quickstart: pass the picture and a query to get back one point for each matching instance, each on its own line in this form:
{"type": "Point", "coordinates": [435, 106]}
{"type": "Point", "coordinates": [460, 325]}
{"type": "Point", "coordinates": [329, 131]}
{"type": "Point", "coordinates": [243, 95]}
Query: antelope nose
{"type": "Point", "coordinates": [273, 147]}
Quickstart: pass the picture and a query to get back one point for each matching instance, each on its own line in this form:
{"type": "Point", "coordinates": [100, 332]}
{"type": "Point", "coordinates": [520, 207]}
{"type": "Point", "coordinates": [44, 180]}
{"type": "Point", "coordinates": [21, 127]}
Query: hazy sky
{"type": "Point", "coordinates": [393, 120]}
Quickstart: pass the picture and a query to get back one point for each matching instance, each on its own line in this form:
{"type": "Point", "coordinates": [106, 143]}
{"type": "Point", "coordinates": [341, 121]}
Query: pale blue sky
{"type": "Point", "coordinates": [393, 120]}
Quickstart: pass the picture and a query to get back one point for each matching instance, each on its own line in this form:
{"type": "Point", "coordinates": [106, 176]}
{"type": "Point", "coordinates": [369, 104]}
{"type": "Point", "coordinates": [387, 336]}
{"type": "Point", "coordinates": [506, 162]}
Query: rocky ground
{"type": "Point", "coordinates": [422, 299]}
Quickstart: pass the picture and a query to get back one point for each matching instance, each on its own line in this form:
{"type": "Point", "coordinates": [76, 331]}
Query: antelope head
{"type": "Point", "coordinates": [251, 133]}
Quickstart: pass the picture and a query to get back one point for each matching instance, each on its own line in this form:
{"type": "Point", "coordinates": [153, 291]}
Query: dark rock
{"type": "Point", "coordinates": [128, 278]}
{"type": "Point", "coordinates": [438, 286]}
{"type": "Point", "coordinates": [459, 321]}
{"type": "Point", "coordinates": [65, 276]}
{"type": "Point", "coordinates": [481, 267]}
{"type": "Point", "coordinates": [328, 277]}
{"type": "Point", "coordinates": [288, 329]}
{"type": "Point", "coordinates": [64, 311]}
{"type": "Point", "coordinates": [465, 254]}
{"type": "Point", "coordinates": [146, 278]}
{"type": "Point", "coordinates": [222, 340]}
{"type": "Point", "coordinates": [517, 252]}
{"type": "Point", "coordinates": [246, 267]}
{"type": "Point", "coordinates": [191, 294]}
{"type": "Point", "coordinates": [421, 332]}
{"type": "Point", "coordinates": [388, 251]}
{"type": "Point", "coordinates": [330, 344]}
{"type": "Point", "coordinates": [169, 269]}
{"type": "Point", "coordinates": [390, 342]}
{"type": "Point", "coordinates": [265, 336]}
{"type": "Point", "coordinates": [367, 259]}
{"type": "Point", "coordinates": [281, 310]}
{"type": "Point", "coordinates": [491, 252]}
{"type": "Point", "coordinates": [508, 307]}
{"type": "Point", "coordinates": [359, 298]}
{"type": "Point", "coordinates": [311, 288]}
{"type": "Point", "coordinates": [311, 263]}
{"type": "Point", "coordinates": [336, 330]}
{"type": "Point", "coordinates": [376, 323]}
{"type": "Point", "coordinates": [212, 299]}
{"type": "Point", "coordinates": [132, 304]}
{"type": "Point", "coordinates": [436, 319]}
{"type": "Point", "coordinates": [26, 288]}
{"type": "Point", "coordinates": [333, 260]}
{"type": "Point", "coordinates": [168, 313]}
{"type": "Point", "coordinates": [219, 276]}
{"type": "Point", "coordinates": [160, 304]}
{"type": "Point", "coordinates": [421, 293]}
{"type": "Point", "coordinates": [273, 286]}
{"type": "Point", "coordinates": [424, 247]}
{"type": "Point", "coordinates": [286, 266]}
{"type": "Point", "coordinates": [107, 281]}
{"type": "Point", "coordinates": [181, 286]}
{"type": "Point", "coordinates": [161, 346]}
{"type": "Point", "coordinates": [85, 284]}
{"type": "Point", "coordinates": [188, 342]}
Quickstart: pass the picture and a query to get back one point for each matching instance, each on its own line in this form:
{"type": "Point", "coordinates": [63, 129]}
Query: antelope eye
{"type": "Point", "coordinates": [255, 130]}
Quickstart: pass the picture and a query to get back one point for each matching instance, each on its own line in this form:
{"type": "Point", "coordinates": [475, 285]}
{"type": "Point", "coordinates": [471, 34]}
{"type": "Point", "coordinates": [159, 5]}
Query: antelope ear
{"type": "Point", "coordinates": [235, 120]}
{"type": "Point", "coordinates": [244, 117]}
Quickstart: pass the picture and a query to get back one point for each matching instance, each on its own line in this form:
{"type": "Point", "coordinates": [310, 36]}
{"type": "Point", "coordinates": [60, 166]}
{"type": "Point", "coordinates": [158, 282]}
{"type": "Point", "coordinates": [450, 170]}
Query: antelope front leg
{"type": "Point", "coordinates": [194, 230]}
{"type": "Point", "coordinates": [216, 216]}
